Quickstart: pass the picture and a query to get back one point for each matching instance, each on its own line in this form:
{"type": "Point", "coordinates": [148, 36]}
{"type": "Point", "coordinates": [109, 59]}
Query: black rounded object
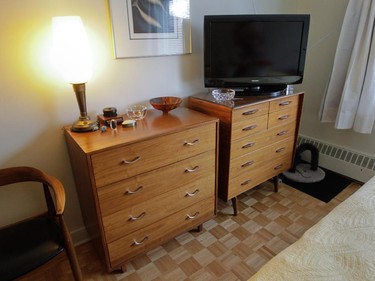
{"type": "Point", "coordinates": [110, 112]}
{"type": "Point", "coordinates": [314, 156]}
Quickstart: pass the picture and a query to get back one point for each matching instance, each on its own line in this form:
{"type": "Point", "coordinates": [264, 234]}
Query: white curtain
{"type": "Point", "coordinates": [350, 97]}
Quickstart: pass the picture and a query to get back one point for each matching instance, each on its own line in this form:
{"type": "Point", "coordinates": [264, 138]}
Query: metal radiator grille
{"type": "Point", "coordinates": [340, 153]}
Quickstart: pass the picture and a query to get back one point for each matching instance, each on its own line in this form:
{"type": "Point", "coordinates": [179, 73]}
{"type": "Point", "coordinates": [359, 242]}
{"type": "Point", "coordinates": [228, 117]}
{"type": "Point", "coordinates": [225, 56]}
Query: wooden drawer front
{"type": "Point", "coordinates": [248, 127]}
{"type": "Point", "coordinates": [137, 189]}
{"type": "Point", "coordinates": [127, 161]}
{"type": "Point", "coordinates": [281, 133]}
{"type": "Point", "coordinates": [250, 112]}
{"type": "Point", "coordinates": [260, 158]}
{"type": "Point", "coordinates": [247, 163]}
{"type": "Point", "coordinates": [284, 103]}
{"type": "Point", "coordinates": [247, 181]}
{"type": "Point", "coordinates": [260, 140]}
{"type": "Point", "coordinates": [134, 217]}
{"type": "Point", "coordinates": [282, 117]}
{"type": "Point", "coordinates": [247, 145]}
{"type": "Point", "coordinates": [159, 232]}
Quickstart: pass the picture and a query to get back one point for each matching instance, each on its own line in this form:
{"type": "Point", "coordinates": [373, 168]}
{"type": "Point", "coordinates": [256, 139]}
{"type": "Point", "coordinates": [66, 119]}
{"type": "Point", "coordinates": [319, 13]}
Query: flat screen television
{"type": "Point", "coordinates": [255, 54]}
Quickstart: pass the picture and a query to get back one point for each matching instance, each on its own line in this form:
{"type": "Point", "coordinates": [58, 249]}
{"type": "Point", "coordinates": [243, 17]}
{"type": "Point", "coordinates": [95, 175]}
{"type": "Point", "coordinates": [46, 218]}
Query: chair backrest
{"type": "Point", "coordinates": [14, 259]}
{"type": "Point", "coordinates": [25, 174]}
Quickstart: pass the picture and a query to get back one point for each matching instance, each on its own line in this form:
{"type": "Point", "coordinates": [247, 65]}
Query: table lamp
{"type": "Point", "coordinates": [73, 58]}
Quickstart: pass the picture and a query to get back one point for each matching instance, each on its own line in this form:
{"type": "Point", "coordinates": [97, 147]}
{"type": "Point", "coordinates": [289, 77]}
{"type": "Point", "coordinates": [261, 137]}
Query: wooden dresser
{"type": "Point", "coordinates": [257, 139]}
{"type": "Point", "coordinates": [139, 187]}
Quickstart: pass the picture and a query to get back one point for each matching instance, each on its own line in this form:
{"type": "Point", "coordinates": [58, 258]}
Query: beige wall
{"type": "Point", "coordinates": [35, 103]}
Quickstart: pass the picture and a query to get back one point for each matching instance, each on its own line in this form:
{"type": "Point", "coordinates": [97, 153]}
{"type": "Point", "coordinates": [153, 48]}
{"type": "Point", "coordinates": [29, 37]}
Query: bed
{"type": "Point", "coordinates": [339, 247]}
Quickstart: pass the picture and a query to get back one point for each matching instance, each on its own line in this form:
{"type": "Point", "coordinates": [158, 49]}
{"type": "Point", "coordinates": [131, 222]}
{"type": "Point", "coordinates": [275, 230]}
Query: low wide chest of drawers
{"type": "Point", "coordinates": [139, 187]}
{"type": "Point", "coordinates": [257, 139]}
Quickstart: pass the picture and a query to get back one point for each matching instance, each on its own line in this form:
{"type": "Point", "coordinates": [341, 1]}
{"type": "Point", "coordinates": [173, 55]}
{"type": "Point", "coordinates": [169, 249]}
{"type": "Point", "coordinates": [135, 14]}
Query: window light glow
{"type": "Point", "coordinates": [180, 8]}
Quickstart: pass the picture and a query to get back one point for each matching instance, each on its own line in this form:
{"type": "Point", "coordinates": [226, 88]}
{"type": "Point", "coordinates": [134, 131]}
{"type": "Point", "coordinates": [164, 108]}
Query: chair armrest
{"type": "Point", "coordinates": [59, 193]}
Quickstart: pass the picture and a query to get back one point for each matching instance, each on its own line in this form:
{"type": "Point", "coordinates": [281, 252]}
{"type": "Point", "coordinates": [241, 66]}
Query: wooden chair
{"type": "Point", "coordinates": [30, 243]}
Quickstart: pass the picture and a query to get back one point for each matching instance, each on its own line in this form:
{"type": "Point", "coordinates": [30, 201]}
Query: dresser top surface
{"type": "Point", "coordinates": [153, 125]}
{"type": "Point", "coordinates": [239, 101]}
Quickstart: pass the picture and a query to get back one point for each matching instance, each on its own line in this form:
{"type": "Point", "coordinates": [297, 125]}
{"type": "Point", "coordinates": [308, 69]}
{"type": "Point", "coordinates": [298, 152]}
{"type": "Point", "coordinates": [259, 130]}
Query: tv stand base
{"type": "Point", "coordinates": [270, 91]}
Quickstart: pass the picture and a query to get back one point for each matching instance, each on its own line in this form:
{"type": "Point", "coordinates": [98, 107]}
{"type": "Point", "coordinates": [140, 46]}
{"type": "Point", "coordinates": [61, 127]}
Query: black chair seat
{"type": "Point", "coordinates": [33, 243]}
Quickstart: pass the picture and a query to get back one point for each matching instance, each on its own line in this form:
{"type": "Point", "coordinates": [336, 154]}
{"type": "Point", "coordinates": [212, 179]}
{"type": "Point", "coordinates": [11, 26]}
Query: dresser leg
{"type": "Point", "coordinates": [123, 268]}
{"type": "Point", "coordinates": [234, 205]}
{"type": "Point", "coordinates": [276, 183]}
{"type": "Point", "coordinates": [200, 228]}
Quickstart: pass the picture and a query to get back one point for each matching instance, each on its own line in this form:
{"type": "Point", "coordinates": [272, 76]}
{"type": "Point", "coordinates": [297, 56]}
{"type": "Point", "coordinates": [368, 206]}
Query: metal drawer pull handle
{"type": "Point", "coordinates": [248, 145]}
{"type": "Point", "coordinates": [129, 192]}
{"type": "Point", "coordinates": [252, 127]}
{"type": "Point", "coordinates": [191, 194]}
{"type": "Point", "coordinates": [131, 161]}
{"type": "Point", "coordinates": [250, 112]}
{"type": "Point", "coordinates": [283, 117]}
{"type": "Point", "coordinates": [137, 218]}
{"type": "Point", "coordinates": [246, 182]}
{"type": "Point", "coordinates": [190, 217]}
{"type": "Point", "coordinates": [191, 170]}
{"type": "Point", "coordinates": [282, 133]}
{"type": "Point", "coordinates": [247, 164]}
{"type": "Point", "coordinates": [280, 150]}
{"type": "Point", "coordinates": [136, 243]}
{"type": "Point", "coordinates": [278, 167]}
{"type": "Point", "coordinates": [285, 103]}
{"type": "Point", "coordinates": [192, 143]}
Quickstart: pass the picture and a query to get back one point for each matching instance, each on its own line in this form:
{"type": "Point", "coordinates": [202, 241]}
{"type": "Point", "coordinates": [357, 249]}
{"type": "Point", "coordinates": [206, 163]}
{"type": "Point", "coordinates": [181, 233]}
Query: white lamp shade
{"type": "Point", "coordinates": [71, 51]}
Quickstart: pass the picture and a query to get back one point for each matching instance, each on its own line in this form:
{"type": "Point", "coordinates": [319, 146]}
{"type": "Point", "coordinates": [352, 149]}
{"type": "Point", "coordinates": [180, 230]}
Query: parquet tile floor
{"type": "Point", "coordinates": [228, 248]}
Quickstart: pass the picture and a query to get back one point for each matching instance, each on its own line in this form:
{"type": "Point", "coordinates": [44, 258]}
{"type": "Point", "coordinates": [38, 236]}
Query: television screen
{"type": "Point", "coordinates": [254, 52]}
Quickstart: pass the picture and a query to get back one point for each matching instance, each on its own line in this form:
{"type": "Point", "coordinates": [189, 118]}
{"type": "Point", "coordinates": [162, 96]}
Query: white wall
{"type": "Point", "coordinates": [35, 104]}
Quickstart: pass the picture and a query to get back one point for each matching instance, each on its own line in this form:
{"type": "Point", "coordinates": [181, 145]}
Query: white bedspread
{"type": "Point", "coordinates": [340, 247]}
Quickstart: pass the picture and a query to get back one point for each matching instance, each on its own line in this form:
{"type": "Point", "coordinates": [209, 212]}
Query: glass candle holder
{"type": "Point", "coordinates": [137, 112]}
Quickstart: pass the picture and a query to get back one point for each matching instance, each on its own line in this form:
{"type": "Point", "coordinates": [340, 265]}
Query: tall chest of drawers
{"type": "Point", "coordinates": [139, 187]}
{"type": "Point", "coordinates": [257, 139]}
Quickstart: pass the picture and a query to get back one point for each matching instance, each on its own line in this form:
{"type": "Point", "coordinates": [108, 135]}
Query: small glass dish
{"type": "Point", "coordinates": [137, 112]}
{"type": "Point", "coordinates": [223, 94]}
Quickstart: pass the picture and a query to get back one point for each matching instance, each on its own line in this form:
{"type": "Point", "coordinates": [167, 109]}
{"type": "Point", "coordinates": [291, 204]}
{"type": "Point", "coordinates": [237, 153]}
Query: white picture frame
{"type": "Point", "coordinates": [144, 28]}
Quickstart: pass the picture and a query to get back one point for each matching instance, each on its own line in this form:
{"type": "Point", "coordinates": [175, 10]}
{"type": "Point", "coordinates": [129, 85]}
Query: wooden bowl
{"type": "Point", "coordinates": [165, 104]}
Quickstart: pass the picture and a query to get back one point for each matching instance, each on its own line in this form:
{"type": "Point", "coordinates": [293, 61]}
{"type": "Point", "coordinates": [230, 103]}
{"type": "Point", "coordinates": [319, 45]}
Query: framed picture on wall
{"type": "Point", "coordinates": [143, 28]}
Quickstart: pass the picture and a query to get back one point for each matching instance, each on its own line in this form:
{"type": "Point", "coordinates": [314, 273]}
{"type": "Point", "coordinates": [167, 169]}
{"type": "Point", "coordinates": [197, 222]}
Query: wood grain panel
{"type": "Point", "coordinates": [250, 112]}
{"type": "Point", "coordinates": [109, 166]}
{"type": "Point", "coordinates": [244, 128]}
{"type": "Point", "coordinates": [140, 188]}
{"type": "Point", "coordinates": [157, 233]}
{"type": "Point", "coordinates": [260, 158]}
{"type": "Point", "coordinates": [260, 140]}
{"type": "Point", "coordinates": [134, 217]}
{"type": "Point", "coordinates": [247, 181]}
{"type": "Point", "coordinates": [281, 117]}
{"type": "Point", "coordinates": [154, 124]}
{"type": "Point", "coordinates": [284, 102]}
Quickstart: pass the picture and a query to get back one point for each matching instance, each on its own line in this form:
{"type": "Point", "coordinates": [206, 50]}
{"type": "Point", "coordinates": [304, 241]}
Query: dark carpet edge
{"type": "Point", "coordinates": [324, 190]}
